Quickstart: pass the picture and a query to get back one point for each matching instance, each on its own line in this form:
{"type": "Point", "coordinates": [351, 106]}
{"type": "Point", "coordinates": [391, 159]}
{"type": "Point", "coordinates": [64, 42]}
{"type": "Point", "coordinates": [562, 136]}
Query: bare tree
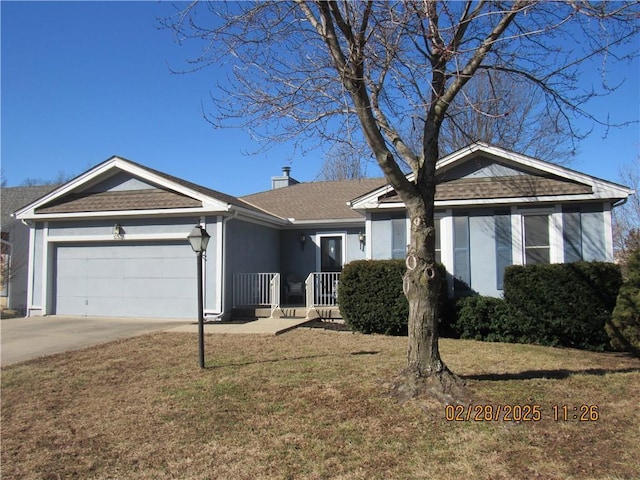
{"type": "Point", "coordinates": [60, 178]}
{"type": "Point", "coordinates": [345, 161]}
{"type": "Point", "coordinates": [498, 110]}
{"type": "Point", "coordinates": [315, 70]}
{"type": "Point", "coordinates": [626, 218]}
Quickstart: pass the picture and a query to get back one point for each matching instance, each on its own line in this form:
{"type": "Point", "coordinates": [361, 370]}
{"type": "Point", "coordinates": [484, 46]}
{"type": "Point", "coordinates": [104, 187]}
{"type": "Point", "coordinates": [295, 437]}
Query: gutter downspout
{"type": "Point", "coordinates": [223, 283]}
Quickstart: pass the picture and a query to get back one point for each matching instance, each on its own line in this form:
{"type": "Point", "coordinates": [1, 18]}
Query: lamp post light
{"type": "Point", "coordinates": [199, 239]}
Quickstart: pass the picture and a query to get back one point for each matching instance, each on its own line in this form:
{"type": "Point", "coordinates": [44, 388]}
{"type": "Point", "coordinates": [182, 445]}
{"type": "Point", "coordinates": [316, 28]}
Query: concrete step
{"type": "Point", "coordinates": [292, 312]}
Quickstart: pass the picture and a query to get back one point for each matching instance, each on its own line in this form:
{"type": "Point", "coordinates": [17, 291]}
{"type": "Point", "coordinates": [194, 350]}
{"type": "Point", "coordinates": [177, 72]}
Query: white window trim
{"type": "Point", "coordinates": [556, 235]}
{"type": "Point", "coordinates": [517, 244]}
{"type": "Point", "coordinates": [368, 245]}
{"type": "Point", "coordinates": [446, 244]}
{"type": "Point", "coordinates": [556, 243]}
{"type": "Point", "coordinates": [608, 231]}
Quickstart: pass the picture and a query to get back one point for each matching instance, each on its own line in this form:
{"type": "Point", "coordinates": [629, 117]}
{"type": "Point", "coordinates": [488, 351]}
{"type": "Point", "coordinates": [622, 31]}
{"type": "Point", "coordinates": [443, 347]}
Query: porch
{"type": "Point", "coordinates": [267, 295]}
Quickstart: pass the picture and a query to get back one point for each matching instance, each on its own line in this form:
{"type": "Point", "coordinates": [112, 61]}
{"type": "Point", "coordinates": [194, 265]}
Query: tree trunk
{"type": "Point", "coordinates": [425, 371]}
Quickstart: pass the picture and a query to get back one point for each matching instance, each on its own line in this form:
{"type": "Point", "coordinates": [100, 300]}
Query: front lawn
{"type": "Point", "coordinates": [313, 404]}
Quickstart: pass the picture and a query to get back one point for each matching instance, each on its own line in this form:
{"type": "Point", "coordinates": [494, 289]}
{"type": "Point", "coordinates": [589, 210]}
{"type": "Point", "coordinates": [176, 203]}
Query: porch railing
{"type": "Point", "coordinates": [274, 285]}
{"type": "Point", "coordinates": [256, 289]}
{"type": "Point", "coordinates": [322, 289]}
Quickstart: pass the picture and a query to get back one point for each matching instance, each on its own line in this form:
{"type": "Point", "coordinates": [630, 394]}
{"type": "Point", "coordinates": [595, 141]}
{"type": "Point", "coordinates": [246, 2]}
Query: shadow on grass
{"type": "Point", "coordinates": [558, 374]}
{"type": "Point", "coordinates": [289, 359]}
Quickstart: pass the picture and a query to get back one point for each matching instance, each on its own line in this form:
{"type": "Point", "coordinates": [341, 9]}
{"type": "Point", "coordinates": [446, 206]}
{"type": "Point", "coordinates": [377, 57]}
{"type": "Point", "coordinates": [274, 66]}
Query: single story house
{"type": "Point", "coordinates": [112, 241]}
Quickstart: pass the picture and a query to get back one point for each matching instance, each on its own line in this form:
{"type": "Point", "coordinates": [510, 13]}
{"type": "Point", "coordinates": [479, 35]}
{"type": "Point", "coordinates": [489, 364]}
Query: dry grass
{"type": "Point", "coordinates": [310, 404]}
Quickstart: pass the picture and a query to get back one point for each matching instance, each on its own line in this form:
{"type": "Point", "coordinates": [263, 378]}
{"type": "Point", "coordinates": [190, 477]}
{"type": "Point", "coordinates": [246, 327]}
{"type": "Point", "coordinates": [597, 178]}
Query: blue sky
{"type": "Point", "coordinates": [82, 81]}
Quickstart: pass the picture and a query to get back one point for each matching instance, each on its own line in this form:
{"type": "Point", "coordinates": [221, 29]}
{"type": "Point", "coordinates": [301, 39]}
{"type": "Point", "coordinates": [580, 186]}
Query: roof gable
{"type": "Point", "coordinates": [123, 186]}
{"type": "Point", "coordinates": [485, 174]}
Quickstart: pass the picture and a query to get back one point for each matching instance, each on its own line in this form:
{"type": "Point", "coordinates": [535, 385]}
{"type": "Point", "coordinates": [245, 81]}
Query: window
{"type": "Point", "coordinates": [330, 254]}
{"type": "Point", "coordinates": [572, 234]}
{"type": "Point", "coordinates": [461, 257]}
{"type": "Point", "coordinates": [398, 237]}
{"type": "Point", "coordinates": [503, 247]}
{"type": "Point", "coordinates": [536, 239]}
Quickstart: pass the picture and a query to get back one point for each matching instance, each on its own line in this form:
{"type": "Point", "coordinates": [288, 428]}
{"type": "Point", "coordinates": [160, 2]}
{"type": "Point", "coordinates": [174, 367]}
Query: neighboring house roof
{"type": "Point", "coordinates": [314, 200]}
{"type": "Point", "coordinates": [14, 198]}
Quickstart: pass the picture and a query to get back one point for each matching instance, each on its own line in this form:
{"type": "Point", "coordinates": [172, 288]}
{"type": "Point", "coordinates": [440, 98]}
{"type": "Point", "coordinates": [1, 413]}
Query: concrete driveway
{"type": "Point", "coordinates": [25, 338]}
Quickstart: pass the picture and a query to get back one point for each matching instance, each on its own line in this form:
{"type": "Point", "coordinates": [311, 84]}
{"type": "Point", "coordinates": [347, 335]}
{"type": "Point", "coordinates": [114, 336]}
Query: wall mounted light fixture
{"type": "Point", "coordinates": [118, 232]}
{"type": "Point", "coordinates": [363, 239]}
{"type": "Point", "coordinates": [303, 239]}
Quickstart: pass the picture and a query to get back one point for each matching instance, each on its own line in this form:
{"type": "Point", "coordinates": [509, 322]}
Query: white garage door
{"type": "Point", "coordinates": [126, 280]}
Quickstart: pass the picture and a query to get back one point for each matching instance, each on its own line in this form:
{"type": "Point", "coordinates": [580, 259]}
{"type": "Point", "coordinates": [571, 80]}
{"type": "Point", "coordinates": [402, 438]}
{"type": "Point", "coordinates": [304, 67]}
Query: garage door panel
{"type": "Point", "coordinates": [143, 268]}
{"type": "Point", "coordinates": [143, 280]}
{"type": "Point", "coordinates": [142, 288]}
{"type": "Point", "coordinates": [106, 287]}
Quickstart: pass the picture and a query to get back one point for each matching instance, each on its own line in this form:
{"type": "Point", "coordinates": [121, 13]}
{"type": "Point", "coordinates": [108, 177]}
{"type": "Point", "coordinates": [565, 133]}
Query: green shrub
{"type": "Point", "coordinates": [562, 304]}
{"type": "Point", "coordinates": [371, 297]}
{"type": "Point", "coordinates": [484, 318]}
{"type": "Point", "coordinates": [624, 327]}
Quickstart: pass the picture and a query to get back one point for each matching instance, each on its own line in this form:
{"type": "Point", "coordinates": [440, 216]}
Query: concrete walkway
{"type": "Point", "coordinates": [263, 326]}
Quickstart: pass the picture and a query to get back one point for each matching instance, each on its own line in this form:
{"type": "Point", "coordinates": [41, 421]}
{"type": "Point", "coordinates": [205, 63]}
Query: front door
{"type": "Point", "coordinates": [331, 254]}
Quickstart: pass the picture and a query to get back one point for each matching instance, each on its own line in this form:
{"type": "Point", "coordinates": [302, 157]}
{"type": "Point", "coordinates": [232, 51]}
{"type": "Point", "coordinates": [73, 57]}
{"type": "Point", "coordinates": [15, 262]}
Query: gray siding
{"type": "Point", "coordinates": [593, 238]}
{"type": "Point", "coordinates": [294, 259]}
{"type": "Point", "coordinates": [120, 182]}
{"type": "Point", "coordinates": [382, 235]}
{"type": "Point", "coordinates": [483, 254]}
{"type": "Point", "coordinates": [19, 274]}
{"type": "Point", "coordinates": [480, 167]}
{"type": "Point", "coordinates": [135, 226]}
{"type": "Point", "coordinates": [249, 248]}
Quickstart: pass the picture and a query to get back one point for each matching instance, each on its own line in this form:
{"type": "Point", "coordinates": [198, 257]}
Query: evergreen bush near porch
{"type": "Point", "coordinates": [371, 297]}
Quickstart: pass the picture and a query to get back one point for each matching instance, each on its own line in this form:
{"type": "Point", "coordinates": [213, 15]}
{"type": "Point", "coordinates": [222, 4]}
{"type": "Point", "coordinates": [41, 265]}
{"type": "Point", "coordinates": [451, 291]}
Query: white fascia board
{"type": "Point", "coordinates": [140, 237]}
{"type": "Point", "coordinates": [258, 217]}
{"type": "Point", "coordinates": [329, 222]}
{"type": "Point", "coordinates": [360, 202]}
{"type": "Point", "coordinates": [493, 201]}
{"type": "Point", "coordinates": [166, 212]}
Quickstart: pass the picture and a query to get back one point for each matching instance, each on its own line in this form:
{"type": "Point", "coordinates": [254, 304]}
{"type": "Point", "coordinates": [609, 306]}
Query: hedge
{"type": "Point", "coordinates": [624, 328]}
{"type": "Point", "coordinates": [371, 297]}
{"type": "Point", "coordinates": [562, 304]}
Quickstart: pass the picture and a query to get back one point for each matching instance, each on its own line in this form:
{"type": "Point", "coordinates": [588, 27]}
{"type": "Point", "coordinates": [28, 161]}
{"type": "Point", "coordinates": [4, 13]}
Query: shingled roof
{"type": "Point", "coordinates": [516, 186]}
{"type": "Point", "coordinates": [14, 198]}
{"type": "Point", "coordinates": [153, 198]}
{"type": "Point", "coordinates": [315, 200]}
{"type": "Point", "coordinates": [116, 201]}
